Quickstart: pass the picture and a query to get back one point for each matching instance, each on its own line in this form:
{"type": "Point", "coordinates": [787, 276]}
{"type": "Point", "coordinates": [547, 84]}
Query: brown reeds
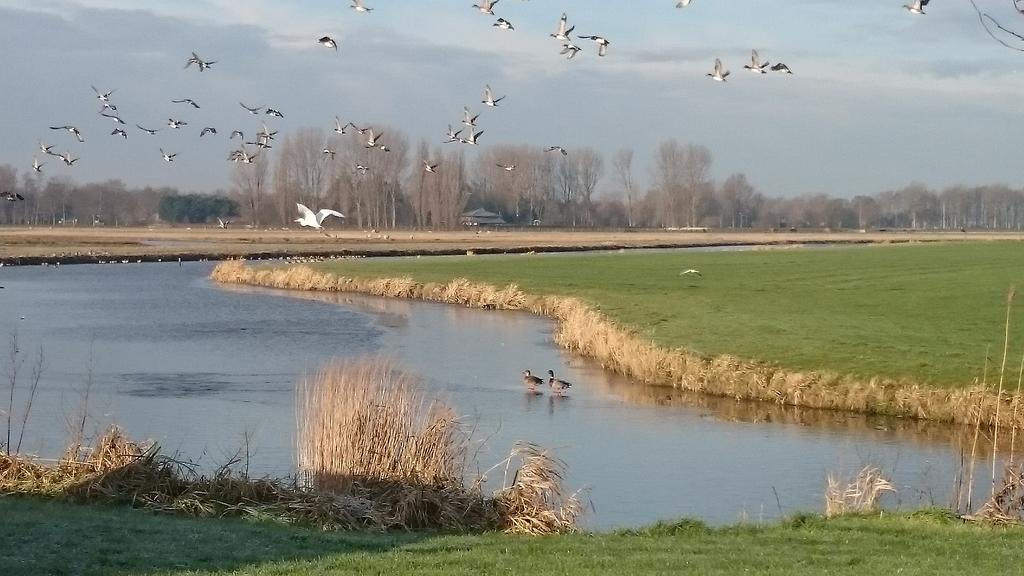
{"type": "Point", "coordinates": [859, 496]}
{"type": "Point", "coordinates": [588, 332]}
{"type": "Point", "coordinates": [536, 503]}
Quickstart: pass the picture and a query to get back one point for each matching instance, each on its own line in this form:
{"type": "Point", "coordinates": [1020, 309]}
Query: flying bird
{"type": "Point", "coordinates": [755, 63]}
{"type": "Point", "coordinates": [718, 73]}
{"type": "Point", "coordinates": [11, 196]}
{"type": "Point", "coordinates": [371, 140]}
{"type": "Point", "coordinates": [570, 49]}
{"type": "Point", "coordinates": [113, 117]}
{"type": "Point", "coordinates": [37, 166]}
{"type": "Point", "coordinates": [203, 64]}
{"type": "Point", "coordinates": [503, 24]}
{"type": "Point", "coordinates": [487, 6]}
{"type": "Point", "coordinates": [70, 129]}
{"type": "Point", "coordinates": [222, 223]}
{"type": "Point", "coordinates": [329, 42]}
{"type": "Point", "coordinates": [119, 132]}
{"type": "Point", "coordinates": [917, 7]}
{"type": "Point", "coordinates": [472, 139]}
{"type": "Point", "coordinates": [683, 3]}
{"type": "Point", "coordinates": [254, 111]}
{"type": "Point", "coordinates": [691, 272]}
{"type": "Point", "coordinates": [362, 169]}
{"type": "Point", "coordinates": [175, 124]}
{"type": "Point", "coordinates": [507, 167]}
{"type": "Point", "coordinates": [167, 157]}
{"type": "Point", "coordinates": [358, 6]}
{"type": "Point", "coordinates": [558, 149]}
{"type": "Point", "coordinates": [46, 149]}
{"type": "Point", "coordinates": [272, 112]}
{"type": "Point", "coordinates": [236, 133]}
{"type": "Point", "coordinates": [468, 119]}
{"type": "Point", "coordinates": [780, 67]}
{"type": "Point", "coordinates": [208, 130]}
{"type": "Point", "coordinates": [308, 218]}
{"type": "Point", "coordinates": [428, 167]}
{"type": "Point", "coordinates": [489, 97]}
{"type": "Point", "coordinates": [602, 44]}
{"type": "Point", "coordinates": [329, 152]}
{"type": "Point", "coordinates": [188, 101]}
{"type": "Point", "coordinates": [338, 128]}
{"type": "Point", "coordinates": [563, 33]}
{"type": "Point", "coordinates": [103, 96]}
{"type": "Point", "coordinates": [147, 130]}
{"type": "Point", "coordinates": [67, 159]}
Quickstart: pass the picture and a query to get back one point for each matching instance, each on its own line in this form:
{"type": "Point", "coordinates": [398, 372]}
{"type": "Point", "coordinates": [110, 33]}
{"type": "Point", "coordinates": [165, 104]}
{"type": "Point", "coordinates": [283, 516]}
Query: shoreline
{"type": "Point", "coordinates": [585, 331]}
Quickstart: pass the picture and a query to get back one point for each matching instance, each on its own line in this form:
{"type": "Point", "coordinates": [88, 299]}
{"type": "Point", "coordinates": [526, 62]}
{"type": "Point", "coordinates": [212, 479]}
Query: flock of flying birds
{"type": "Point", "coordinates": [468, 134]}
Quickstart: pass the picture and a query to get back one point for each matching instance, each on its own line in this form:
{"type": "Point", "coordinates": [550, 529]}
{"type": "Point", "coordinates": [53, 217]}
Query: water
{"type": "Point", "coordinates": [209, 371]}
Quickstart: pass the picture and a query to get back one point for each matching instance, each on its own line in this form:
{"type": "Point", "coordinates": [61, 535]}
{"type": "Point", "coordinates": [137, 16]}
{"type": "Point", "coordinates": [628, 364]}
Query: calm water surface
{"type": "Point", "coordinates": [200, 368]}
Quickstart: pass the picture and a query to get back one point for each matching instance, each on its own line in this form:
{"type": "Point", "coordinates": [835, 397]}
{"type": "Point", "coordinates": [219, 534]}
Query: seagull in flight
{"type": "Point", "coordinates": [558, 149]}
{"type": "Point", "coordinates": [507, 167]}
{"type": "Point", "coordinates": [602, 44]}
{"type": "Point", "coordinates": [780, 67]}
{"type": "Point", "coordinates": [570, 49]}
{"type": "Point", "coordinates": [37, 166]}
{"type": "Point", "coordinates": [272, 112]}
{"type": "Point", "coordinates": [236, 133]}
{"type": "Point", "coordinates": [329, 42]}
{"type": "Point", "coordinates": [468, 119]}
{"type": "Point", "coordinates": [208, 130]}
{"type": "Point", "coordinates": [222, 223]}
{"type": "Point", "coordinates": [46, 149]}
{"type": "Point", "coordinates": [329, 152]}
{"type": "Point", "coordinates": [917, 7]}
{"type": "Point", "coordinates": [472, 138]}
{"type": "Point", "coordinates": [70, 129]}
{"type": "Point", "coordinates": [489, 97]}
{"type": "Point", "coordinates": [12, 196]}
{"type": "Point", "coordinates": [203, 64]}
{"type": "Point", "coordinates": [487, 6]}
{"type": "Point", "coordinates": [358, 6]}
{"type": "Point", "coordinates": [362, 169]}
{"type": "Point", "coordinates": [308, 218]}
{"type": "Point", "coordinates": [113, 117]}
{"type": "Point", "coordinates": [119, 132]}
{"type": "Point", "coordinates": [147, 130]}
{"type": "Point", "coordinates": [67, 159]}
{"type": "Point", "coordinates": [371, 140]}
{"type": "Point", "coordinates": [188, 101]}
{"type": "Point", "coordinates": [683, 3]}
{"type": "Point", "coordinates": [254, 111]}
{"type": "Point", "coordinates": [563, 33]}
{"type": "Point", "coordinates": [755, 63]}
{"type": "Point", "coordinates": [428, 167]}
{"type": "Point", "coordinates": [691, 272]}
{"type": "Point", "coordinates": [167, 157]}
{"type": "Point", "coordinates": [175, 124]}
{"type": "Point", "coordinates": [103, 96]}
{"type": "Point", "coordinates": [452, 136]}
{"type": "Point", "coordinates": [338, 128]}
{"type": "Point", "coordinates": [503, 24]}
{"type": "Point", "coordinates": [718, 74]}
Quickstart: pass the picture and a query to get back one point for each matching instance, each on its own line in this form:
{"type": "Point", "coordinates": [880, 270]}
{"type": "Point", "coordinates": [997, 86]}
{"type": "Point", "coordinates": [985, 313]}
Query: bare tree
{"type": "Point", "coordinates": [589, 167]}
{"type": "Point", "coordinates": [622, 164]}
{"type": "Point", "coordinates": [249, 183]}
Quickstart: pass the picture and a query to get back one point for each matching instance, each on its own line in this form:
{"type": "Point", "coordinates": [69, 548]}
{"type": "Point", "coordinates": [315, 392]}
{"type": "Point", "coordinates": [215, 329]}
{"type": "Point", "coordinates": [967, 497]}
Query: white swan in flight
{"type": "Point", "coordinates": [308, 218]}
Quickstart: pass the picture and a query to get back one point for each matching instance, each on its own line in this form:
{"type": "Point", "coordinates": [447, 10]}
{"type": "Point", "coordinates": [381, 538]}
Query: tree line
{"type": "Point", "coordinates": [580, 189]}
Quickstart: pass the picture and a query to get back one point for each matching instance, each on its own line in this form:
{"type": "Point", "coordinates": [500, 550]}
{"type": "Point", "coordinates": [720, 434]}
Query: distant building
{"type": "Point", "coordinates": [481, 217]}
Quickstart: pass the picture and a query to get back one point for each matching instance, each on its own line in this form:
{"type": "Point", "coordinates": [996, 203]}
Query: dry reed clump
{"type": "Point", "coordinates": [1006, 504]}
{"type": "Point", "coordinates": [857, 497]}
{"type": "Point", "coordinates": [584, 330]}
{"type": "Point", "coordinates": [117, 470]}
{"type": "Point", "coordinates": [366, 431]}
{"type": "Point", "coordinates": [536, 503]}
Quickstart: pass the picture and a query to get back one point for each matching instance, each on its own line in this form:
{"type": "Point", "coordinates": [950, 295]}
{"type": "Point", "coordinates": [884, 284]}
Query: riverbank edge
{"type": "Point", "coordinates": [581, 329]}
{"type": "Point", "coordinates": [213, 255]}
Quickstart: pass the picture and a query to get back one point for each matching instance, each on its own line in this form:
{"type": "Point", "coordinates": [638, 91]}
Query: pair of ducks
{"type": "Point", "coordinates": [557, 386]}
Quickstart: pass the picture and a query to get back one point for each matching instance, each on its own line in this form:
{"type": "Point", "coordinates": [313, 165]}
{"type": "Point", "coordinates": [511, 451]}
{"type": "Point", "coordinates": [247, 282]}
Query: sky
{"type": "Point", "coordinates": [880, 98]}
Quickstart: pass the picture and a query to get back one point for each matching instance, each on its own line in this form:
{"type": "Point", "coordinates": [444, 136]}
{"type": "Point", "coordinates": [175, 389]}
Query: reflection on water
{"type": "Point", "coordinates": [199, 367]}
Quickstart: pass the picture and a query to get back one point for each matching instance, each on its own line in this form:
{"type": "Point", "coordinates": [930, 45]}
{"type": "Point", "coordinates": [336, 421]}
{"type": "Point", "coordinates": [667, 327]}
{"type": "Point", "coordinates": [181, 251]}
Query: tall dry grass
{"type": "Point", "coordinates": [587, 332]}
{"type": "Point", "coordinates": [367, 431]}
{"type": "Point", "coordinates": [858, 496]}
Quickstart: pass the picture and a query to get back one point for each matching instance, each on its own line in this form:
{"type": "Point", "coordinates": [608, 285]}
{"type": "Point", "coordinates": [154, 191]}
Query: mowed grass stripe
{"type": "Point", "coordinates": [923, 312]}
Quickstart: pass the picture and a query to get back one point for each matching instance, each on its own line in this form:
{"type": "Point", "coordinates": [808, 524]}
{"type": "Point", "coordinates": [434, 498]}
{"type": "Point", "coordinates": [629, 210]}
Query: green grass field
{"type": "Point", "coordinates": [925, 312]}
{"type": "Point", "coordinates": [50, 538]}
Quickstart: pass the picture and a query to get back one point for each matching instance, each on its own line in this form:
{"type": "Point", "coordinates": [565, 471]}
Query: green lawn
{"type": "Point", "coordinates": [927, 312]}
{"type": "Point", "coordinates": [49, 538]}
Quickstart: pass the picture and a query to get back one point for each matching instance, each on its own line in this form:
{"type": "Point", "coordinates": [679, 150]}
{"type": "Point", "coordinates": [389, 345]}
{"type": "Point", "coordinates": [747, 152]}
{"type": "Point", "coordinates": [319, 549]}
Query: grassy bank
{"type": "Point", "coordinates": [56, 538]}
{"type": "Point", "coordinates": [922, 312]}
